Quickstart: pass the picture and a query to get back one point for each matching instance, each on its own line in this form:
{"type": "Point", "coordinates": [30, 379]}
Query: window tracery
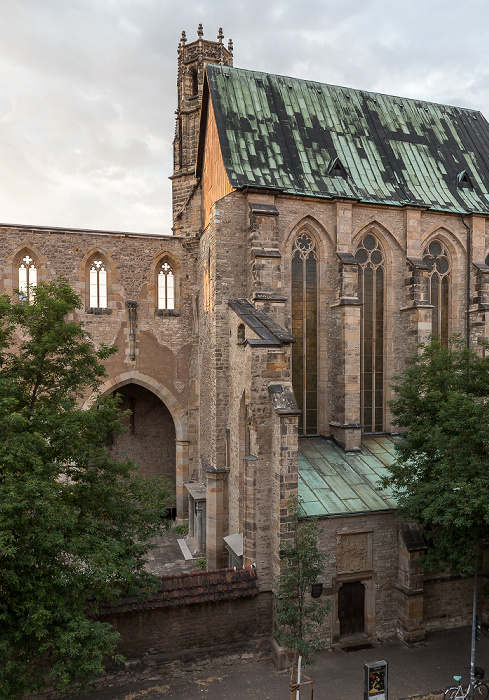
{"type": "Point", "coordinates": [27, 277]}
{"type": "Point", "coordinates": [166, 286]}
{"type": "Point", "coordinates": [436, 256]}
{"type": "Point", "coordinates": [370, 258]}
{"type": "Point", "coordinates": [98, 284]}
{"type": "Point", "coordinates": [305, 331]}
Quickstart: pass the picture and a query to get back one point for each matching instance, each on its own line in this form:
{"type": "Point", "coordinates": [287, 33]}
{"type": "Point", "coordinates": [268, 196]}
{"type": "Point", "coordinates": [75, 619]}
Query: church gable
{"type": "Point", "coordinates": [283, 133]}
{"type": "Point", "coordinates": [215, 180]}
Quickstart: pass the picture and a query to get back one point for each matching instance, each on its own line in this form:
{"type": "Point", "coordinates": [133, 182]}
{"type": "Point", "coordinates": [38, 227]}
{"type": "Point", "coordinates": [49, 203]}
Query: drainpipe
{"type": "Point", "coordinates": [467, 300]}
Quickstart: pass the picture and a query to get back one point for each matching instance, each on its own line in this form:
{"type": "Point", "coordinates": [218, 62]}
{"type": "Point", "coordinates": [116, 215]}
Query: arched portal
{"type": "Point", "coordinates": [179, 417]}
{"type": "Point", "coordinates": [149, 439]}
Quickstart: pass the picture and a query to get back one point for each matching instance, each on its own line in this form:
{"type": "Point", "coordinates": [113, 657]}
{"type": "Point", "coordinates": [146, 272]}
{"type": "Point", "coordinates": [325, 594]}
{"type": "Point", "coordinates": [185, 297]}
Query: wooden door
{"type": "Point", "coordinates": [351, 609]}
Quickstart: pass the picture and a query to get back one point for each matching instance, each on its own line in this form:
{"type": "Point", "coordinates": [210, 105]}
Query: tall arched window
{"type": "Point", "coordinates": [304, 330]}
{"type": "Point", "coordinates": [27, 277]}
{"type": "Point", "coordinates": [370, 260]}
{"type": "Point", "coordinates": [166, 286]}
{"type": "Point", "coordinates": [98, 284]}
{"type": "Point", "coordinates": [437, 257]}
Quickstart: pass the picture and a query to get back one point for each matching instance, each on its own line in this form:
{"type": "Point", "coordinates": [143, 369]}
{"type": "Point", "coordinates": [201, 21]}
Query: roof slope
{"type": "Point", "coordinates": [284, 133]}
{"type": "Point", "coordinates": [334, 482]}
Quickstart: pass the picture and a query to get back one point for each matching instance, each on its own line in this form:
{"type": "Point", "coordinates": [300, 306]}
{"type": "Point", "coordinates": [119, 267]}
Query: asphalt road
{"type": "Point", "coordinates": [337, 675]}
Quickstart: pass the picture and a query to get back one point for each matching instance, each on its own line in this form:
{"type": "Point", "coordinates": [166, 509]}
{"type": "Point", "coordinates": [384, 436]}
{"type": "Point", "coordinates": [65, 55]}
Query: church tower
{"type": "Point", "coordinates": [191, 59]}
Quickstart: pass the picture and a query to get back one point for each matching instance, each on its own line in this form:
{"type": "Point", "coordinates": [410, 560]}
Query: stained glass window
{"type": "Point", "coordinates": [166, 286]}
{"type": "Point", "coordinates": [370, 257]}
{"type": "Point", "coordinates": [27, 278]}
{"type": "Point", "coordinates": [98, 284]}
{"type": "Point", "coordinates": [304, 330]}
{"type": "Point", "coordinates": [437, 257]}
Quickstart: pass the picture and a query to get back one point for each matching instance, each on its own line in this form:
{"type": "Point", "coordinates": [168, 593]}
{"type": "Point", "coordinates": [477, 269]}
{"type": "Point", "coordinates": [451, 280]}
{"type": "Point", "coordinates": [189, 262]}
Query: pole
{"type": "Point", "coordinates": [474, 625]}
{"type": "Point", "coordinates": [297, 694]}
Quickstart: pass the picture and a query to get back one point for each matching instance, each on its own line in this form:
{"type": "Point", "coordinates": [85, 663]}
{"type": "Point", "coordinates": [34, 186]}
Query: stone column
{"type": "Point", "coordinates": [418, 310]}
{"type": "Point", "coordinates": [265, 259]}
{"type": "Point", "coordinates": [479, 309]}
{"type": "Point", "coordinates": [345, 425]}
{"type": "Point", "coordinates": [201, 538]}
{"type": "Point", "coordinates": [215, 554]}
{"type": "Point", "coordinates": [249, 514]}
{"type": "Point", "coordinates": [410, 622]}
{"type": "Point", "coordinates": [285, 472]}
{"type": "Point", "coordinates": [191, 517]}
{"type": "Point", "coordinates": [181, 478]}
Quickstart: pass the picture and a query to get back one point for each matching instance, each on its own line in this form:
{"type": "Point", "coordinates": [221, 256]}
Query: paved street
{"type": "Point", "coordinates": [337, 675]}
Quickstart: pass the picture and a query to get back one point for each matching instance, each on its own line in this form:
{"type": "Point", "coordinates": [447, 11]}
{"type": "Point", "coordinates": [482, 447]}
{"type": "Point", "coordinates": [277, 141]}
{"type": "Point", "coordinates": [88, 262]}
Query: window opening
{"type": "Point", "coordinates": [27, 278]}
{"type": "Point", "coordinates": [304, 330]}
{"type": "Point", "coordinates": [437, 257]}
{"type": "Point", "coordinates": [166, 286]}
{"type": "Point", "coordinates": [98, 285]}
{"type": "Point", "coordinates": [464, 181]}
{"type": "Point", "coordinates": [241, 335]}
{"type": "Point", "coordinates": [370, 260]}
{"type": "Point", "coordinates": [336, 169]}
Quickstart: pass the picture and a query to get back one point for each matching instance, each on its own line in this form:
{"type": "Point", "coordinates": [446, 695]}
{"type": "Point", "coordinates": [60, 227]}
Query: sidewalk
{"type": "Point", "coordinates": [337, 675]}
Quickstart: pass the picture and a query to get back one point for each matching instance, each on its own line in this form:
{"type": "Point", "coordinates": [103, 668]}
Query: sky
{"type": "Point", "coordinates": [88, 87]}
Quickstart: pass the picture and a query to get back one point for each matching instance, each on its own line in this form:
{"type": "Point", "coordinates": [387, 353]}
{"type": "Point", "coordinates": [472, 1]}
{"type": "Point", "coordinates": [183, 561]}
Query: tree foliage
{"type": "Point", "coordinates": [441, 473]}
{"type": "Point", "coordinates": [297, 615]}
{"type": "Point", "coordinates": [75, 523]}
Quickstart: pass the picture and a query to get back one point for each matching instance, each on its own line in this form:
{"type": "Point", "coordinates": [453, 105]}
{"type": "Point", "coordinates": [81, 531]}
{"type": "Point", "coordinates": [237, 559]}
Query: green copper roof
{"type": "Point", "coordinates": [289, 134]}
{"type": "Point", "coordinates": [334, 482]}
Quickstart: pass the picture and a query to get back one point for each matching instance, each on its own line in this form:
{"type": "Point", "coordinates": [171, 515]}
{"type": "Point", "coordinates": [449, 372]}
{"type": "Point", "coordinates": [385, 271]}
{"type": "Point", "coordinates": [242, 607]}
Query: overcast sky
{"type": "Point", "coordinates": [88, 87]}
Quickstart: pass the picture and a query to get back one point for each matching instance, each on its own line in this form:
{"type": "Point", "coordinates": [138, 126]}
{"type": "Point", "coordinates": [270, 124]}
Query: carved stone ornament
{"type": "Point", "coordinates": [353, 553]}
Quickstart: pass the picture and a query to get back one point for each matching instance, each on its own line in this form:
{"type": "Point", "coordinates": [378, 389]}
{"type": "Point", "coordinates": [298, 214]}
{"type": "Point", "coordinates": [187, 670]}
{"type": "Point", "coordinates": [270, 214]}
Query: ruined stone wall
{"type": "Point", "coordinates": [160, 355]}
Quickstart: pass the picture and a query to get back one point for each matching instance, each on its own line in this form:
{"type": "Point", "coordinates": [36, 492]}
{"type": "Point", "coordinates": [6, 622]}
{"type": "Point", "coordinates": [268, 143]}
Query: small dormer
{"type": "Point", "coordinates": [337, 169]}
{"type": "Point", "coordinates": [464, 181]}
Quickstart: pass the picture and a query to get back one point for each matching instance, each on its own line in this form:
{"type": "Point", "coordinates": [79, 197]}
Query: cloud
{"type": "Point", "coordinates": [88, 87]}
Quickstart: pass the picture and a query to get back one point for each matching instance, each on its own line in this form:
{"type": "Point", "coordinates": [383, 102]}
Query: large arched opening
{"type": "Point", "coordinates": [149, 439]}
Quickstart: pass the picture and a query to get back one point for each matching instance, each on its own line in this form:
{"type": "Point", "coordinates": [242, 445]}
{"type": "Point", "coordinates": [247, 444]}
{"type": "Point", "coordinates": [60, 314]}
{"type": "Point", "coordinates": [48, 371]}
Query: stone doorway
{"type": "Point", "coordinates": [351, 609]}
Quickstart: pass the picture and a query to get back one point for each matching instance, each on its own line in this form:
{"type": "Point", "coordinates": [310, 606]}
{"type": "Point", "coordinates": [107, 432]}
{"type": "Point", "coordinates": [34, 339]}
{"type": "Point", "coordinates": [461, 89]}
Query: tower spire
{"type": "Point", "coordinates": [192, 57]}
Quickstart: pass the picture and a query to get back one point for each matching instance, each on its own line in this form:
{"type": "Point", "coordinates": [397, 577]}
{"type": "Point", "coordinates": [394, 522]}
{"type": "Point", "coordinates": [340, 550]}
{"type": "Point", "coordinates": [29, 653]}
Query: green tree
{"type": "Point", "coordinates": [75, 523]}
{"type": "Point", "coordinates": [297, 615]}
{"type": "Point", "coordinates": [441, 473]}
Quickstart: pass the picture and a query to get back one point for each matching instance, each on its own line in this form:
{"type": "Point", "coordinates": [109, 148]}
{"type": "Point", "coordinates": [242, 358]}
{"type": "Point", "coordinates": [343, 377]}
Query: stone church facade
{"type": "Point", "coordinates": [319, 234]}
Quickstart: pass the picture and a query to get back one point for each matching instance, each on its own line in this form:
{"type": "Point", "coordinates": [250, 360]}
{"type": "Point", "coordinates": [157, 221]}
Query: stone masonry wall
{"type": "Point", "coordinates": [184, 631]}
{"type": "Point", "coordinates": [374, 540]}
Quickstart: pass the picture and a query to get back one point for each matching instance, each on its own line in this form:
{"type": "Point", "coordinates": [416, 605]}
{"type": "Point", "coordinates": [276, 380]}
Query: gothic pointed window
{"type": "Point", "coordinates": [437, 257]}
{"type": "Point", "coordinates": [304, 330]}
{"type": "Point", "coordinates": [98, 284]}
{"type": "Point", "coordinates": [27, 277]}
{"type": "Point", "coordinates": [371, 275]}
{"type": "Point", "coordinates": [166, 286]}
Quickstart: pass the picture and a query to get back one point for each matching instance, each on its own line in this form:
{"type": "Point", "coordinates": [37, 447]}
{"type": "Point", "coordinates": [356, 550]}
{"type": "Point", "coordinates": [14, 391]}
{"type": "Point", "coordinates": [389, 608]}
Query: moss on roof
{"type": "Point", "coordinates": [313, 139]}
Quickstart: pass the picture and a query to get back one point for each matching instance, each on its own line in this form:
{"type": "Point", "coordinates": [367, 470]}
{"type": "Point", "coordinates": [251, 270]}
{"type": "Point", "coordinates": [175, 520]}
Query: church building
{"type": "Point", "coordinates": [319, 234]}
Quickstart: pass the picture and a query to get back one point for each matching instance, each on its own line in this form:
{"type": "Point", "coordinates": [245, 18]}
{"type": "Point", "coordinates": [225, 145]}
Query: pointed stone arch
{"type": "Point", "coordinates": [439, 253]}
{"type": "Point", "coordinates": [317, 231]}
{"type": "Point", "coordinates": [160, 258]}
{"type": "Point", "coordinates": [180, 421]}
{"type": "Point", "coordinates": [387, 240]}
{"type": "Point", "coordinates": [114, 297]}
{"type": "Point", "coordinates": [369, 252]}
{"type": "Point", "coordinates": [455, 247]}
{"type": "Point", "coordinates": [12, 262]}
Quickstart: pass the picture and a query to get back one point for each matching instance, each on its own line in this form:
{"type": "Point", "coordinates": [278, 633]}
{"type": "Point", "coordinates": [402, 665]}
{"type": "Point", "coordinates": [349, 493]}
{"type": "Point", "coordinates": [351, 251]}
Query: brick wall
{"type": "Point", "coordinates": [194, 630]}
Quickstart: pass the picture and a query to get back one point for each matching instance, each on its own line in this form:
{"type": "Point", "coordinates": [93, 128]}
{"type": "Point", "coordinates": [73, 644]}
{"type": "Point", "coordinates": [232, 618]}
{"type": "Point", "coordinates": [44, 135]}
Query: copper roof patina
{"type": "Point", "coordinates": [334, 482]}
{"type": "Point", "coordinates": [307, 138]}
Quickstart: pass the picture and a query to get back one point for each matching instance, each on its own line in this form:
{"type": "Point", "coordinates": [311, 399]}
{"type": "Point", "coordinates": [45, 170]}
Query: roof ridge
{"type": "Point", "coordinates": [224, 69]}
